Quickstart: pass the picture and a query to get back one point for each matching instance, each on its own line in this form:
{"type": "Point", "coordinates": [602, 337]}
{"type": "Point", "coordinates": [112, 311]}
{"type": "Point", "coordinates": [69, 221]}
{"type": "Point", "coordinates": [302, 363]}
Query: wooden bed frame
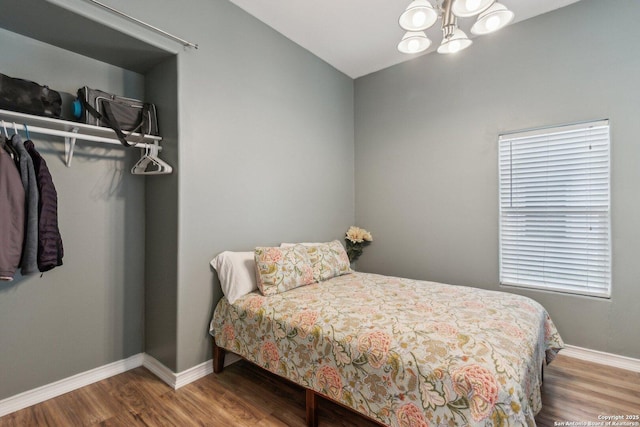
{"type": "Point", "coordinates": [311, 395]}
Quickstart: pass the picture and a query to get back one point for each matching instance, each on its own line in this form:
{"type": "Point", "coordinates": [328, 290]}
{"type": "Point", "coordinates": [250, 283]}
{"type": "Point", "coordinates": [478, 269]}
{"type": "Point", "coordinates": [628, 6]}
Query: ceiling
{"type": "Point", "coordinates": [359, 37]}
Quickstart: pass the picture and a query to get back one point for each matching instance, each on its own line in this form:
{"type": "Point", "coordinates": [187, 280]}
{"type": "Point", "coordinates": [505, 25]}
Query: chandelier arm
{"type": "Point", "coordinates": [449, 20]}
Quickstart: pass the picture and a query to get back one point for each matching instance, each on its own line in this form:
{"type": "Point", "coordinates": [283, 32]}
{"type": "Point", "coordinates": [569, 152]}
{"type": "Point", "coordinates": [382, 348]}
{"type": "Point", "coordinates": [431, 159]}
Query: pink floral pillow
{"type": "Point", "coordinates": [281, 269]}
{"type": "Point", "coordinates": [328, 260]}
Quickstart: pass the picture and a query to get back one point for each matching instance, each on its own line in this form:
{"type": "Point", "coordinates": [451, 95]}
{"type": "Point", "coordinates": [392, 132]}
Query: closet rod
{"type": "Point", "coordinates": [184, 42]}
{"type": "Point", "coordinates": [76, 135]}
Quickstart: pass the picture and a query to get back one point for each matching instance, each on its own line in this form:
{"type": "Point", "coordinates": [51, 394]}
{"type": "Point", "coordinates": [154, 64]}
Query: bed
{"type": "Point", "coordinates": [401, 352]}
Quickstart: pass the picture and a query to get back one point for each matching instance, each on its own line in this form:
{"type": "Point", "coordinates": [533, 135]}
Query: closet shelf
{"type": "Point", "coordinates": [70, 131]}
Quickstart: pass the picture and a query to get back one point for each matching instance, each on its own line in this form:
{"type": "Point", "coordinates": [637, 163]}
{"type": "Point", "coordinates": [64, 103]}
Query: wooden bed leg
{"type": "Point", "coordinates": [312, 408]}
{"type": "Point", "coordinates": [218, 358]}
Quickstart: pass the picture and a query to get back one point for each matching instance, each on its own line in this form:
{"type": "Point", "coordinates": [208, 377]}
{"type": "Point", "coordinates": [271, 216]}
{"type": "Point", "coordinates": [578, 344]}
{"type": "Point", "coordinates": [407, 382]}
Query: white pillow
{"type": "Point", "coordinates": [237, 273]}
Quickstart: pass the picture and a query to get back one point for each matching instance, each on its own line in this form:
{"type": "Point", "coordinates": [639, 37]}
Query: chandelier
{"type": "Point", "coordinates": [421, 15]}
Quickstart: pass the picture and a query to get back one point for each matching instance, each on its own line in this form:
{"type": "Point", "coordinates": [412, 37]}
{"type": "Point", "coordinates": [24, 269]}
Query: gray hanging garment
{"type": "Point", "coordinates": [29, 261]}
{"type": "Point", "coordinates": [12, 215]}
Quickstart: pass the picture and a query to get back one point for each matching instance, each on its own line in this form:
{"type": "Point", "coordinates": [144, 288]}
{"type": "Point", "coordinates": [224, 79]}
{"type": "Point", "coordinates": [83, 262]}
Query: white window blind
{"type": "Point", "coordinates": [554, 209]}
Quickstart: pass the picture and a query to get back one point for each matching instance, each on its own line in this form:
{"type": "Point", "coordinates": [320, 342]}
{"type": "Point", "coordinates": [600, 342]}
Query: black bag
{"type": "Point", "coordinates": [96, 107]}
{"type": "Point", "coordinates": [25, 96]}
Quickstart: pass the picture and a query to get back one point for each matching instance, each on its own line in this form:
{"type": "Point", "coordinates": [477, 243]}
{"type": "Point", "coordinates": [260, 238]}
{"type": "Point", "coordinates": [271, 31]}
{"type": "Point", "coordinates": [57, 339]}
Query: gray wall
{"type": "Point", "coordinates": [266, 157]}
{"type": "Point", "coordinates": [88, 312]}
{"type": "Point", "coordinates": [426, 155]}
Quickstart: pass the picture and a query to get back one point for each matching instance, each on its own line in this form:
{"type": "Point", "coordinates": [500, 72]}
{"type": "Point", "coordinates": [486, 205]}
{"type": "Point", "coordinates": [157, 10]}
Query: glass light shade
{"type": "Point", "coordinates": [414, 42]}
{"type": "Point", "coordinates": [457, 42]}
{"type": "Point", "coordinates": [466, 8]}
{"type": "Point", "coordinates": [418, 16]}
{"type": "Point", "coordinates": [492, 19]}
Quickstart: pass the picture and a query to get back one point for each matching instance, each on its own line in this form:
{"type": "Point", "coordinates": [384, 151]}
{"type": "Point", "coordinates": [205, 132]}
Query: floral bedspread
{"type": "Point", "coordinates": [403, 352]}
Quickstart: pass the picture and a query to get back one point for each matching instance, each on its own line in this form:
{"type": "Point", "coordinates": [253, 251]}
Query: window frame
{"type": "Point", "coordinates": [546, 131]}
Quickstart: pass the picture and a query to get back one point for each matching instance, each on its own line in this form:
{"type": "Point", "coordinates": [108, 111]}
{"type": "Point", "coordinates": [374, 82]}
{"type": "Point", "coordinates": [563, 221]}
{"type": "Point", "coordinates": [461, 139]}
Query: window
{"type": "Point", "coordinates": [554, 209]}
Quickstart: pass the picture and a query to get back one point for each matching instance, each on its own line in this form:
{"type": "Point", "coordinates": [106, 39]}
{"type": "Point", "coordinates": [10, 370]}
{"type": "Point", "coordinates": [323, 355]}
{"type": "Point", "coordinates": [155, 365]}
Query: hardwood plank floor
{"type": "Point", "coordinates": [244, 395]}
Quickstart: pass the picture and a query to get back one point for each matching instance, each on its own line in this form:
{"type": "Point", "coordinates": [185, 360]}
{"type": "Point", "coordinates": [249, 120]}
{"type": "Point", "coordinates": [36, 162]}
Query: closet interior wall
{"type": "Point", "coordinates": [90, 311]}
{"type": "Point", "coordinates": [161, 236]}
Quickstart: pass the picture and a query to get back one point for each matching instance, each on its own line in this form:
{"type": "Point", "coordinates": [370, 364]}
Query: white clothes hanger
{"type": "Point", "coordinates": [141, 165]}
{"type": "Point", "coordinates": [150, 163]}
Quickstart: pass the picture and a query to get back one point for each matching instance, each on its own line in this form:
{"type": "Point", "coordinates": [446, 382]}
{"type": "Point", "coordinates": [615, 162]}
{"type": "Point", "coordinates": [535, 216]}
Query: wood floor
{"type": "Point", "coordinates": [244, 395]}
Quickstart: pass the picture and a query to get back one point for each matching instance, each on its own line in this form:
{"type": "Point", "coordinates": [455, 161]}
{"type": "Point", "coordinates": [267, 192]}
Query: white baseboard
{"type": "Point", "coordinates": [181, 379]}
{"type": "Point", "coordinates": [48, 391]}
{"type": "Point", "coordinates": [205, 368]}
{"type": "Point", "coordinates": [58, 388]}
{"type": "Point", "coordinates": [159, 370]}
{"type": "Point", "coordinates": [595, 356]}
{"type": "Point", "coordinates": [192, 374]}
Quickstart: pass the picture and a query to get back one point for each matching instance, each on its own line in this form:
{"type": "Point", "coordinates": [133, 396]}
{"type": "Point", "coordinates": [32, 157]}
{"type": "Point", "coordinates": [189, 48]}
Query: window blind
{"type": "Point", "coordinates": [554, 209]}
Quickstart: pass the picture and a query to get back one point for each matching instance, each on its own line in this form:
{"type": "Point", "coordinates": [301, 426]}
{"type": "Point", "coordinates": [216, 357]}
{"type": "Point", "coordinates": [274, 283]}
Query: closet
{"type": "Point", "coordinates": [116, 226]}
